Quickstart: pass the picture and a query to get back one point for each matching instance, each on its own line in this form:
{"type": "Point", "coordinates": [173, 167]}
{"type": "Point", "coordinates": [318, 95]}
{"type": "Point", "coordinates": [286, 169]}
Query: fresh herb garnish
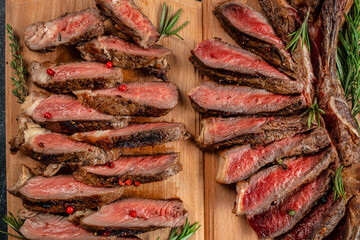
{"type": "Point", "coordinates": [338, 184]}
{"type": "Point", "coordinates": [14, 223]}
{"type": "Point", "coordinates": [167, 23]}
{"type": "Point", "coordinates": [17, 65]}
{"type": "Point", "coordinates": [314, 113]}
{"type": "Point", "coordinates": [186, 233]}
{"type": "Point", "coordinates": [348, 58]}
{"type": "Point", "coordinates": [301, 32]}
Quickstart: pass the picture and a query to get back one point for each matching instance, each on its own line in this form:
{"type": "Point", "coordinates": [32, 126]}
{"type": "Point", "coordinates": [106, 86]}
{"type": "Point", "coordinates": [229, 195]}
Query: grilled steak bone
{"type": "Point", "coordinates": [47, 147]}
{"type": "Point", "coordinates": [68, 29]}
{"type": "Point", "coordinates": [127, 55]}
{"type": "Point", "coordinates": [146, 99]}
{"type": "Point", "coordinates": [74, 76]}
{"type": "Point", "coordinates": [151, 215]}
{"type": "Point", "coordinates": [143, 169]}
{"type": "Point", "coordinates": [68, 115]}
{"type": "Point", "coordinates": [56, 227]}
{"type": "Point", "coordinates": [54, 194]}
{"type": "Point", "coordinates": [226, 63]}
{"type": "Point", "coordinates": [127, 16]}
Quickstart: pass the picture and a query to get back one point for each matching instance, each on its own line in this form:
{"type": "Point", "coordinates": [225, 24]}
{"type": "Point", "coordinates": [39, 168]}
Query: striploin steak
{"type": "Point", "coordinates": [68, 29]}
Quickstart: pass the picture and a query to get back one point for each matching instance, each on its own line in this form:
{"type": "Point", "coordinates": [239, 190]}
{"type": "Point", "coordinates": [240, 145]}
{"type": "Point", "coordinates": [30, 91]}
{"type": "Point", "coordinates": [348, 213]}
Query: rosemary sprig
{"type": "Point", "coordinates": [167, 23]}
{"type": "Point", "coordinates": [348, 57]}
{"type": "Point", "coordinates": [186, 233]}
{"type": "Point", "coordinates": [301, 32]}
{"type": "Point", "coordinates": [314, 113]}
{"type": "Point", "coordinates": [14, 223]}
{"type": "Point", "coordinates": [17, 65]}
{"type": "Point", "coordinates": [338, 184]}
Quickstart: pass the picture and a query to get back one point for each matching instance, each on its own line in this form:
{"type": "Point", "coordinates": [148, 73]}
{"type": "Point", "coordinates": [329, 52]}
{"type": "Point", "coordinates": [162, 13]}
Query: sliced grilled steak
{"type": "Point", "coordinates": [132, 22]}
{"type": "Point", "coordinates": [55, 227]}
{"type": "Point", "coordinates": [47, 147]}
{"type": "Point", "coordinates": [68, 29]}
{"type": "Point", "coordinates": [127, 55]}
{"type": "Point", "coordinates": [135, 135]}
{"type": "Point", "coordinates": [286, 20]}
{"type": "Point", "coordinates": [314, 6]}
{"type": "Point", "coordinates": [65, 114]}
{"type": "Point", "coordinates": [276, 220]}
{"type": "Point", "coordinates": [223, 132]}
{"type": "Point", "coordinates": [256, 195]}
{"type": "Point", "coordinates": [147, 99]}
{"type": "Point", "coordinates": [54, 194]}
{"type": "Point", "coordinates": [74, 76]}
{"type": "Point", "coordinates": [224, 62]}
{"type": "Point", "coordinates": [150, 215]}
{"type": "Point", "coordinates": [251, 30]}
{"type": "Point", "coordinates": [231, 100]}
{"type": "Point", "coordinates": [143, 169]}
{"type": "Point", "coordinates": [239, 163]}
{"type": "Point", "coordinates": [320, 221]}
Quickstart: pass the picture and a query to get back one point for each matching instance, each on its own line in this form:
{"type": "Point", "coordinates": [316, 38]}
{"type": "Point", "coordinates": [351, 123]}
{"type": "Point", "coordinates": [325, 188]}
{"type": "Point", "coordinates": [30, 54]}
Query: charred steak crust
{"type": "Point", "coordinates": [117, 105]}
{"type": "Point", "coordinates": [274, 130]}
{"type": "Point", "coordinates": [154, 64]}
{"type": "Point", "coordinates": [70, 127]}
{"type": "Point", "coordinates": [132, 104]}
{"type": "Point", "coordinates": [139, 139]}
{"type": "Point", "coordinates": [95, 28]}
{"type": "Point", "coordinates": [224, 76]}
{"type": "Point", "coordinates": [82, 175]}
{"type": "Point", "coordinates": [267, 51]}
{"type": "Point", "coordinates": [43, 80]}
{"type": "Point", "coordinates": [108, 9]}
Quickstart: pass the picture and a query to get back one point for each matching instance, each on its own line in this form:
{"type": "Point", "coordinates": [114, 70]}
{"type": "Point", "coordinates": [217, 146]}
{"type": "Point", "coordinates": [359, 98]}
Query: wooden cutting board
{"type": "Point", "coordinates": [207, 202]}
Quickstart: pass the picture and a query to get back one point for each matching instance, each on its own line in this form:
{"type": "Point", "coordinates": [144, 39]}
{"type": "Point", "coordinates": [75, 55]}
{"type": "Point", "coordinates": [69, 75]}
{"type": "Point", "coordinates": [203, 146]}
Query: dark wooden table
{"type": "Point", "coordinates": [2, 122]}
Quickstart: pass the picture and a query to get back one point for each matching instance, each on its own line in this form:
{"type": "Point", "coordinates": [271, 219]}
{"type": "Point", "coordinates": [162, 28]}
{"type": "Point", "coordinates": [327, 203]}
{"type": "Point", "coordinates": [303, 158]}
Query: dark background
{"type": "Point", "coordinates": [2, 122]}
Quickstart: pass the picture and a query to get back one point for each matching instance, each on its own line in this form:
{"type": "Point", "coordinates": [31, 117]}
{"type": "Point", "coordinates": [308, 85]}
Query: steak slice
{"type": "Point", "coordinates": [286, 20]}
{"type": "Point", "coordinates": [51, 148]}
{"type": "Point", "coordinates": [320, 221]}
{"type": "Point", "coordinates": [56, 227]}
{"type": "Point", "coordinates": [240, 162]}
{"type": "Point", "coordinates": [147, 99]}
{"type": "Point", "coordinates": [68, 29]}
{"type": "Point", "coordinates": [74, 76]}
{"type": "Point", "coordinates": [256, 195]}
{"type": "Point", "coordinates": [251, 30]}
{"type": "Point", "coordinates": [135, 135]}
{"type": "Point", "coordinates": [54, 194]}
{"type": "Point", "coordinates": [223, 132]}
{"type": "Point", "coordinates": [67, 114]}
{"type": "Point", "coordinates": [127, 55]}
{"type": "Point", "coordinates": [224, 62]}
{"type": "Point", "coordinates": [276, 220]}
{"type": "Point", "coordinates": [150, 215]}
{"type": "Point", "coordinates": [143, 169]}
{"type": "Point", "coordinates": [231, 100]}
{"type": "Point", "coordinates": [132, 22]}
